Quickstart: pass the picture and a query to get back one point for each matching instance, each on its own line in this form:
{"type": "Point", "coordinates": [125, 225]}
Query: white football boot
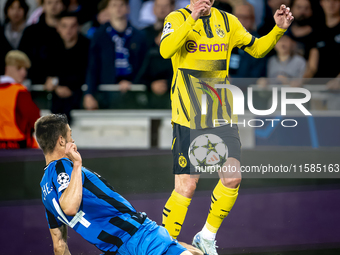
{"type": "Point", "coordinates": [208, 247]}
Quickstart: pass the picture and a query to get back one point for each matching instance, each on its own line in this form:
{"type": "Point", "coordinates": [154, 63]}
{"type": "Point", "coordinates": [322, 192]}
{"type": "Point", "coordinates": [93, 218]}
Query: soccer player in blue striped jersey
{"type": "Point", "coordinates": [81, 199]}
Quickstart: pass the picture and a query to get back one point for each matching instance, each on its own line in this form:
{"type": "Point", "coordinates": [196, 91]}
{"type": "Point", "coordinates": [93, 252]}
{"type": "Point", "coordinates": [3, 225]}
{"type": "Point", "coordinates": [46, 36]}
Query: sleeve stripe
{"type": "Point", "coordinates": [249, 44]}
{"type": "Point", "coordinates": [52, 222]}
{"type": "Point", "coordinates": [226, 21]}
{"type": "Point", "coordinates": [60, 167]}
{"type": "Point", "coordinates": [183, 15]}
{"type": "Point", "coordinates": [164, 38]}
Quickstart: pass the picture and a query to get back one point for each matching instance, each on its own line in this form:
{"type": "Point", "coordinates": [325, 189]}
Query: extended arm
{"type": "Point", "coordinates": [258, 48]}
{"type": "Point", "coordinates": [262, 46]}
{"type": "Point", "coordinates": [59, 238]}
{"type": "Point", "coordinates": [70, 200]}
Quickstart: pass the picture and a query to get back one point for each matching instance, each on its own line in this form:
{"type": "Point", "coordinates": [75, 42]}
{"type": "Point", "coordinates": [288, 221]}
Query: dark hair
{"type": "Point", "coordinates": [66, 14]}
{"type": "Point", "coordinates": [48, 129]}
{"type": "Point", "coordinates": [22, 3]}
{"type": "Point", "coordinates": [104, 3]}
{"type": "Point", "coordinates": [66, 3]}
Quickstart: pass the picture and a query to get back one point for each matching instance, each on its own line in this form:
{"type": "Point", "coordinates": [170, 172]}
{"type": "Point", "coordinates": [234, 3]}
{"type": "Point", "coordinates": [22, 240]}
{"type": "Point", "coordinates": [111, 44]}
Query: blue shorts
{"type": "Point", "coordinates": [151, 239]}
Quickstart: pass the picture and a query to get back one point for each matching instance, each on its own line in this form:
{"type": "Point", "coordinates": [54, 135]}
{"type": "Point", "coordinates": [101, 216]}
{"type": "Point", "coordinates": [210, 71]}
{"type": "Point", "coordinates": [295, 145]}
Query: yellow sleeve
{"type": "Point", "coordinates": [256, 47]}
{"type": "Point", "coordinates": [175, 31]}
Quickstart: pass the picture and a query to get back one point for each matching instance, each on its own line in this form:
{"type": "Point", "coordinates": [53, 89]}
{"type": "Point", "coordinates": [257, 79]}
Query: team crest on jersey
{"type": "Point", "coordinates": [182, 161]}
{"type": "Point", "coordinates": [167, 29]}
{"type": "Point", "coordinates": [219, 31]}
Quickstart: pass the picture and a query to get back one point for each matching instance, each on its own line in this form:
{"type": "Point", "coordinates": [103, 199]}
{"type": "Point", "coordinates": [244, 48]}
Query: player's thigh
{"type": "Point", "coordinates": [179, 148]}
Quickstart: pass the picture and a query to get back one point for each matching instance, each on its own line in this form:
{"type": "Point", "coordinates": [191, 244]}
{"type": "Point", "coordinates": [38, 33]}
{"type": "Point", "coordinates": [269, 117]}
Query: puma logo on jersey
{"type": "Point", "coordinates": [199, 32]}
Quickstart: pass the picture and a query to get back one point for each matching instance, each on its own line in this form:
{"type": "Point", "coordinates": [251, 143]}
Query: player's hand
{"type": "Point", "coordinates": [72, 153]}
{"type": "Point", "coordinates": [200, 8]}
{"type": "Point", "coordinates": [63, 91]}
{"type": "Point", "coordinates": [283, 17]}
{"type": "Point", "coordinates": [90, 103]}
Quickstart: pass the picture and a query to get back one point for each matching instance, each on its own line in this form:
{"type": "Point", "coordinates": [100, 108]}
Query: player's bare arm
{"type": "Point", "coordinates": [59, 238]}
{"type": "Point", "coordinates": [70, 200]}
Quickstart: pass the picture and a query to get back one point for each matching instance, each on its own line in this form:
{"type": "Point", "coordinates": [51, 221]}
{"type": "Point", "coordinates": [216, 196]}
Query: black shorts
{"type": "Point", "coordinates": [183, 136]}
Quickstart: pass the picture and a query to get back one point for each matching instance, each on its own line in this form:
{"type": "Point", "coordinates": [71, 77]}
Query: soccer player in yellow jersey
{"type": "Point", "coordinates": [199, 40]}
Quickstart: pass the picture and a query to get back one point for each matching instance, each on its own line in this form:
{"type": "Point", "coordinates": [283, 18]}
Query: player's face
{"type": "Point", "coordinates": [162, 8]}
{"type": "Point", "coordinates": [302, 9]}
{"type": "Point", "coordinates": [246, 16]}
{"type": "Point", "coordinates": [68, 28]}
{"type": "Point", "coordinates": [15, 13]}
{"type": "Point", "coordinates": [53, 7]}
{"type": "Point", "coordinates": [330, 7]}
{"type": "Point", "coordinates": [69, 138]}
{"type": "Point", "coordinates": [118, 9]}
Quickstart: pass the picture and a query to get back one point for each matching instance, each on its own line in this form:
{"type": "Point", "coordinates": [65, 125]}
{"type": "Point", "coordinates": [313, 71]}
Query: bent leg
{"type": "Point", "coordinates": [176, 207]}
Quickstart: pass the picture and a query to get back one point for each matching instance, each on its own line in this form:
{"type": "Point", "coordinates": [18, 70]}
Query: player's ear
{"type": "Point", "coordinates": [62, 141]}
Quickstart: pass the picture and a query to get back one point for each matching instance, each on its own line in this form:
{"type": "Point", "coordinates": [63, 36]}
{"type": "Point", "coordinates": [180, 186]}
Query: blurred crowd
{"type": "Point", "coordinates": [74, 42]}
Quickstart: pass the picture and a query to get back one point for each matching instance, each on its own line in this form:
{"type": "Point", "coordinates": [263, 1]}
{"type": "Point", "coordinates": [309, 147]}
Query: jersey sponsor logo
{"type": "Point", "coordinates": [219, 31]}
{"type": "Point", "coordinates": [167, 29]}
{"type": "Point", "coordinates": [182, 161]}
{"type": "Point", "coordinates": [64, 180]}
{"type": "Point", "coordinates": [191, 47]}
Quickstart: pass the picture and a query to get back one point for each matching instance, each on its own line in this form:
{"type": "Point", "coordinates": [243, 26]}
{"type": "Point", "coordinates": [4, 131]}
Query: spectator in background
{"type": "Point", "coordinates": [268, 21]}
{"type": "Point", "coordinates": [223, 5]}
{"type": "Point", "coordinates": [39, 39]}
{"type": "Point", "coordinates": [301, 30]}
{"type": "Point", "coordinates": [101, 18]}
{"type": "Point", "coordinates": [35, 15]}
{"type": "Point", "coordinates": [156, 74]}
{"type": "Point", "coordinates": [242, 65]}
{"type": "Point", "coordinates": [161, 9]}
{"type": "Point", "coordinates": [18, 112]}
{"type": "Point", "coordinates": [326, 51]}
{"type": "Point", "coordinates": [10, 34]}
{"type": "Point", "coordinates": [67, 66]}
{"type": "Point", "coordinates": [116, 53]}
{"type": "Point", "coordinates": [285, 65]}
{"type": "Point", "coordinates": [147, 16]}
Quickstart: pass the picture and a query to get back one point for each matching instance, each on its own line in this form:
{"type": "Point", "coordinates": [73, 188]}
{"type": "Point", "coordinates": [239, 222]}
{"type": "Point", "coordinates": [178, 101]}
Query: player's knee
{"type": "Point", "coordinates": [187, 188]}
{"type": "Point", "coordinates": [231, 182]}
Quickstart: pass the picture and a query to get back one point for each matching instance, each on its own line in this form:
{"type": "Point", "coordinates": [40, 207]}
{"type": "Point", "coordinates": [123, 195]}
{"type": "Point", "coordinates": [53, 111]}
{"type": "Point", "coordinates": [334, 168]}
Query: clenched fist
{"type": "Point", "coordinates": [72, 153]}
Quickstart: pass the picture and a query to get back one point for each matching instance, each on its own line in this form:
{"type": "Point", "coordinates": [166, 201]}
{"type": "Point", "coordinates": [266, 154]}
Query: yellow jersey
{"type": "Point", "coordinates": [200, 53]}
